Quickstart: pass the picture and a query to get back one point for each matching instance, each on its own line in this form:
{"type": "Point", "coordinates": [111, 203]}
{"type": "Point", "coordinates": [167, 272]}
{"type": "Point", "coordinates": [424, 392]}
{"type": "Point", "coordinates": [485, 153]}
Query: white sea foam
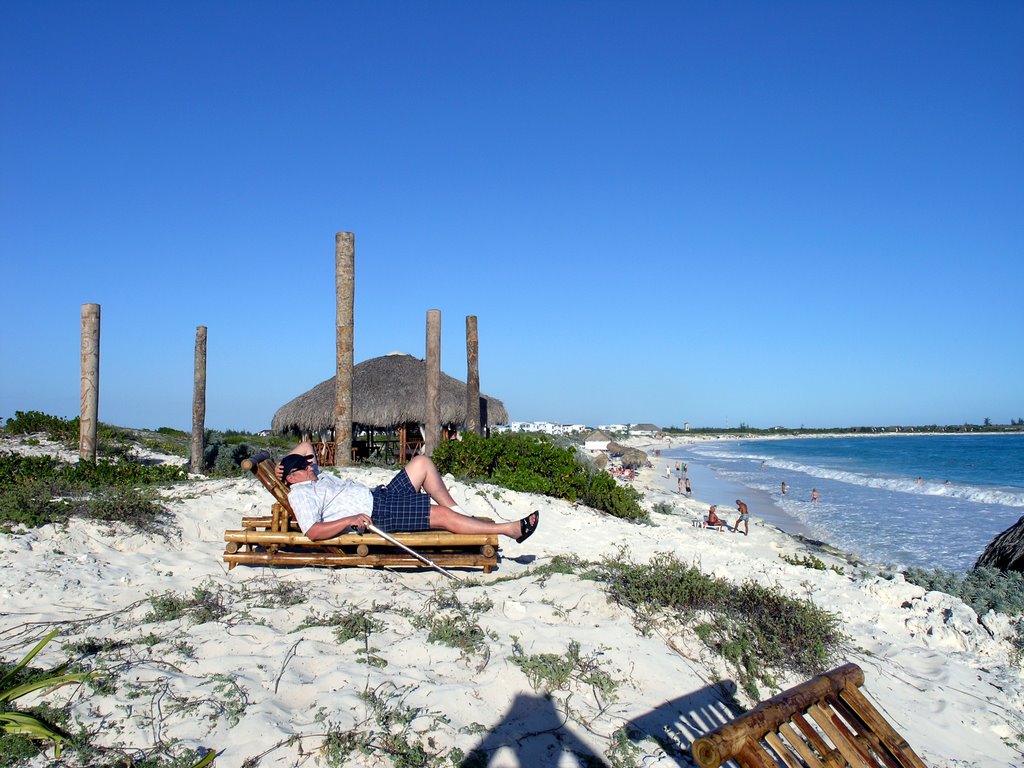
{"type": "Point", "coordinates": [983, 495]}
{"type": "Point", "coordinates": [885, 517]}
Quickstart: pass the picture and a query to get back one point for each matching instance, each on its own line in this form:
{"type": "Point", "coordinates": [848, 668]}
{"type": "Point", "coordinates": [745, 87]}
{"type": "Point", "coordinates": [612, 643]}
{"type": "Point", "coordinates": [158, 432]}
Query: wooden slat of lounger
{"type": "Point", "coordinates": [870, 744]}
{"type": "Point", "coordinates": [813, 737]}
{"type": "Point", "coordinates": [753, 755]}
{"type": "Point", "coordinates": [896, 746]}
{"type": "Point", "coordinates": [782, 750]}
{"type": "Point", "coordinates": [801, 746]}
{"type": "Point", "coordinates": [414, 540]}
{"type": "Point", "coordinates": [840, 737]}
{"type": "Point", "coordinates": [395, 558]}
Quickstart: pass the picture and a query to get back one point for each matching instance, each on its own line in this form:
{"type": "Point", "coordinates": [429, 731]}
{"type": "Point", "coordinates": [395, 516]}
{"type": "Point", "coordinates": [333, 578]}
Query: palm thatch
{"type": "Point", "coordinates": [633, 458]}
{"type": "Point", "coordinates": [387, 392]}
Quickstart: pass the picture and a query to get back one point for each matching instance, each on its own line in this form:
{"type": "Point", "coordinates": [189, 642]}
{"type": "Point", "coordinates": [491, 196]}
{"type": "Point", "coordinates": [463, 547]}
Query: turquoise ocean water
{"type": "Point", "coordinates": [905, 500]}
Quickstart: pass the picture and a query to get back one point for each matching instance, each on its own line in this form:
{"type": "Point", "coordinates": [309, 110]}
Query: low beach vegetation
{"type": "Point", "coordinates": [533, 463]}
{"type": "Point", "coordinates": [813, 562]}
{"type": "Point", "coordinates": [26, 733]}
{"type": "Point", "coordinates": [758, 630]}
{"type": "Point", "coordinates": [450, 621]}
{"type": "Point", "coordinates": [36, 490]}
{"type": "Point", "coordinates": [983, 589]}
{"type": "Point", "coordinates": [223, 451]}
{"type": "Point", "coordinates": [387, 732]}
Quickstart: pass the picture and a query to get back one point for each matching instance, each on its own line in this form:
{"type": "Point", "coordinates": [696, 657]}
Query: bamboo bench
{"type": "Point", "coordinates": [823, 723]}
{"type": "Point", "coordinates": [276, 539]}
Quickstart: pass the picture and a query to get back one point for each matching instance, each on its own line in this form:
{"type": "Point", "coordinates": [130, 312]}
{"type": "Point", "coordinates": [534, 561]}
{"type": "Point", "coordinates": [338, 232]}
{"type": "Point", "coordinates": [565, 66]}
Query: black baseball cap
{"type": "Point", "coordinates": [292, 462]}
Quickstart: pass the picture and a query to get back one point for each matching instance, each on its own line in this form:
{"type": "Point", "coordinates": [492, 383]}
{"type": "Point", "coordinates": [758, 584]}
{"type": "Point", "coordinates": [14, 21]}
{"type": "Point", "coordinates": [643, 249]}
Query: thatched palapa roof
{"type": "Point", "coordinates": [386, 392]}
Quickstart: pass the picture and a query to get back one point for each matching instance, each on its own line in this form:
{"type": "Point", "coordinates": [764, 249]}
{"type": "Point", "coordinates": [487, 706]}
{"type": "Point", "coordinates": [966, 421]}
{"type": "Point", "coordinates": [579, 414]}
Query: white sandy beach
{"type": "Point", "coordinates": [252, 687]}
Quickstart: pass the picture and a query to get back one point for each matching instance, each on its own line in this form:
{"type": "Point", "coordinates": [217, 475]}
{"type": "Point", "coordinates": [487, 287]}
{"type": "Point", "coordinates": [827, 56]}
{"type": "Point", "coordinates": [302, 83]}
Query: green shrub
{"type": "Point", "coordinates": [532, 463]}
{"type": "Point", "coordinates": [36, 490]}
{"type": "Point", "coordinates": [27, 422]}
{"type": "Point", "coordinates": [983, 589]}
{"type": "Point", "coordinates": [222, 455]}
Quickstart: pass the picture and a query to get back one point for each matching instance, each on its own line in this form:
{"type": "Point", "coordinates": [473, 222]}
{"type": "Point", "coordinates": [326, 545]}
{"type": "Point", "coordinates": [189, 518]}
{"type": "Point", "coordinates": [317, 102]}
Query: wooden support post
{"type": "Point", "coordinates": [89, 413]}
{"type": "Point", "coordinates": [432, 436]}
{"type": "Point", "coordinates": [472, 377]}
{"type": "Point", "coordinates": [199, 402]}
{"type": "Point", "coordinates": [345, 268]}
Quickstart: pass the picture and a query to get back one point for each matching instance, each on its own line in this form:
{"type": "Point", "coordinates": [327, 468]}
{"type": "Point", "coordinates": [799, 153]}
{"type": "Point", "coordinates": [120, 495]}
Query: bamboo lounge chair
{"type": "Point", "coordinates": [825, 722]}
{"type": "Point", "coordinates": [276, 539]}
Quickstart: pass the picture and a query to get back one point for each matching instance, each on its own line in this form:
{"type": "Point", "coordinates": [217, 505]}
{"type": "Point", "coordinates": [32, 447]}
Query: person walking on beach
{"type": "Point", "coordinates": [689, 490]}
{"type": "Point", "coordinates": [743, 518]}
{"type": "Point", "coordinates": [326, 505]}
{"type": "Point", "coordinates": [814, 496]}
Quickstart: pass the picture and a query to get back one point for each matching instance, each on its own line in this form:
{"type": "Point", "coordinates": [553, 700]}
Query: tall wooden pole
{"type": "Point", "coordinates": [472, 377]}
{"type": "Point", "coordinates": [432, 434]}
{"type": "Point", "coordinates": [199, 401]}
{"type": "Point", "coordinates": [90, 406]}
{"type": "Point", "coordinates": [345, 279]}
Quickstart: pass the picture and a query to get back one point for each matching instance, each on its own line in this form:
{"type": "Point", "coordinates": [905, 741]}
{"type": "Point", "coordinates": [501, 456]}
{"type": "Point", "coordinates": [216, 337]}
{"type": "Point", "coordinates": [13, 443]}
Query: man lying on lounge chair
{"type": "Point", "coordinates": [325, 505]}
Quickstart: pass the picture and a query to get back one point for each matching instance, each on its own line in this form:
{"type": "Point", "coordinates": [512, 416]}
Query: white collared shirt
{"type": "Point", "coordinates": [328, 498]}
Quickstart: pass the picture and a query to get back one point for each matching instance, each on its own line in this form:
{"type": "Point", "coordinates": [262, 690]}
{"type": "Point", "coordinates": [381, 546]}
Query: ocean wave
{"type": "Point", "coordinates": [980, 494]}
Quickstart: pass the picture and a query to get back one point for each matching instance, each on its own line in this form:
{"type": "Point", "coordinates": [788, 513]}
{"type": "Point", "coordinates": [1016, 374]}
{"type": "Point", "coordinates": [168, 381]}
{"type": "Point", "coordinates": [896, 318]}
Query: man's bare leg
{"type": "Point", "coordinates": [424, 476]}
{"type": "Point", "coordinates": [446, 519]}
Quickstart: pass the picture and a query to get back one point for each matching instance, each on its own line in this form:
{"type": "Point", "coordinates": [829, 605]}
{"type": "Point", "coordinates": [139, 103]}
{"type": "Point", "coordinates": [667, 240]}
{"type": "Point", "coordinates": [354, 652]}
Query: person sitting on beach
{"type": "Point", "coordinates": [713, 520]}
{"type": "Point", "coordinates": [325, 506]}
{"type": "Point", "coordinates": [743, 518]}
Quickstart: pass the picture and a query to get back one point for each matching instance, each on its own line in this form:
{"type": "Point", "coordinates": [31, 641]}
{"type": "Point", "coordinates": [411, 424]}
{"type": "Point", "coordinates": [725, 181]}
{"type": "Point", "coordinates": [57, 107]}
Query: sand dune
{"type": "Point", "coordinates": [252, 684]}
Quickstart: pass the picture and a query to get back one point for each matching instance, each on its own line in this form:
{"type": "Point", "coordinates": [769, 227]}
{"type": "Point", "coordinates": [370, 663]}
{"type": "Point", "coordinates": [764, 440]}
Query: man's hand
{"type": "Point", "coordinates": [360, 522]}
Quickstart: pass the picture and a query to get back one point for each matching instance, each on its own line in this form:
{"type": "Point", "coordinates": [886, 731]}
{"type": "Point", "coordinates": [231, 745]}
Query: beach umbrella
{"type": "Point", "coordinates": [387, 392]}
{"type": "Point", "coordinates": [633, 458]}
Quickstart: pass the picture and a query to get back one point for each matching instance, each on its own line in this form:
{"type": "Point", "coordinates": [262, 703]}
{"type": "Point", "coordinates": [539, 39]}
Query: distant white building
{"type": "Point", "coordinates": [644, 430]}
{"type": "Point", "coordinates": [614, 427]}
{"type": "Point", "coordinates": [573, 429]}
{"type": "Point", "coordinates": [546, 427]}
{"type": "Point", "coordinates": [596, 442]}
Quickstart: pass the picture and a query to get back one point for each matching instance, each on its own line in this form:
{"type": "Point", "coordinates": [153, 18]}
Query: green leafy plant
{"type": "Point", "coordinates": [551, 672]}
{"type": "Point", "coordinates": [451, 622]}
{"type": "Point", "coordinates": [813, 562]}
{"type": "Point", "coordinates": [534, 464]}
{"type": "Point", "coordinates": [25, 723]}
{"type": "Point", "coordinates": [622, 752]}
{"type": "Point", "coordinates": [36, 490]}
{"type": "Point", "coordinates": [983, 589]}
{"type": "Point", "coordinates": [205, 604]}
{"type": "Point", "coordinates": [663, 508]}
{"type": "Point", "coordinates": [755, 628]}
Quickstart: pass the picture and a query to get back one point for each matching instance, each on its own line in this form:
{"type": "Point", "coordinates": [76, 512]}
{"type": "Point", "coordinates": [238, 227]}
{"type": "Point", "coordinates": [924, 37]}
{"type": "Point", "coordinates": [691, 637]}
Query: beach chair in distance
{"type": "Point", "coordinates": [276, 539]}
{"type": "Point", "coordinates": [825, 722]}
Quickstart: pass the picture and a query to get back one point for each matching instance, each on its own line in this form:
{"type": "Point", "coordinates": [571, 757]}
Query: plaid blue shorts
{"type": "Point", "coordinates": [398, 506]}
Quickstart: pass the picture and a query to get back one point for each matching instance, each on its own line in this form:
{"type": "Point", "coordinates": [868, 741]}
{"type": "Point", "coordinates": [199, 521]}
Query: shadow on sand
{"type": "Point", "coordinates": [534, 734]}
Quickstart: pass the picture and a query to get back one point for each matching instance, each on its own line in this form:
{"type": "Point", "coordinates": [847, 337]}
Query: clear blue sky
{"type": "Point", "coordinates": [714, 212]}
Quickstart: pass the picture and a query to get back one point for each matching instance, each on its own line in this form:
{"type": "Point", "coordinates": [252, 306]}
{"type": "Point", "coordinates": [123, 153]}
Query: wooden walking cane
{"type": "Point", "coordinates": [374, 529]}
